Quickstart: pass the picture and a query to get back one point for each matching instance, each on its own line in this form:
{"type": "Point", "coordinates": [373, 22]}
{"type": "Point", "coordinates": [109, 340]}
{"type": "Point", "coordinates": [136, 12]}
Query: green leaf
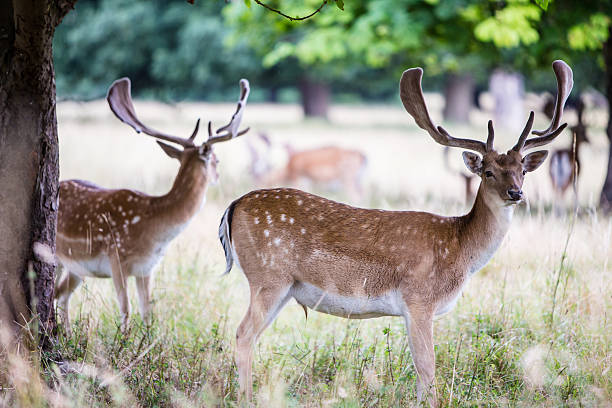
{"type": "Point", "coordinates": [340, 4]}
{"type": "Point", "coordinates": [543, 4]}
{"type": "Point", "coordinates": [247, 3]}
{"type": "Point", "coordinates": [590, 35]}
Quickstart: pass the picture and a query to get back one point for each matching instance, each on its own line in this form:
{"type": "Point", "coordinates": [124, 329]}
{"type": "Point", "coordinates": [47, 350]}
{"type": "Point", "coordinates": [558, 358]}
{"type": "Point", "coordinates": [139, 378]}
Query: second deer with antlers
{"type": "Point", "coordinates": [121, 233]}
{"type": "Point", "coordinates": [362, 263]}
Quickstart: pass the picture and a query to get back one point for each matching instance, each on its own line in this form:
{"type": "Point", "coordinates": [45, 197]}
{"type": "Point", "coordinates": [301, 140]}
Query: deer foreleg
{"type": "Point", "coordinates": [143, 287]}
{"type": "Point", "coordinates": [120, 283]}
{"type": "Point", "coordinates": [63, 292]}
{"type": "Point", "coordinates": [420, 332]}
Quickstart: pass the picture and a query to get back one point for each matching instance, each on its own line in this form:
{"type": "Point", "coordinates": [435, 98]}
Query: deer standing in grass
{"type": "Point", "coordinates": [565, 163]}
{"type": "Point", "coordinates": [327, 166]}
{"type": "Point", "coordinates": [362, 263]}
{"type": "Point", "coordinates": [116, 234]}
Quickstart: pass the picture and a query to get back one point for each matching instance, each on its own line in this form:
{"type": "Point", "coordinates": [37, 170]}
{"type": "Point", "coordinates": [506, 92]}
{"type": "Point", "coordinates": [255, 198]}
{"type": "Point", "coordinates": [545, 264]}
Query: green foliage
{"type": "Point", "coordinates": [590, 35]}
{"type": "Point", "coordinates": [510, 26]}
{"type": "Point", "coordinates": [176, 50]}
{"type": "Point", "coordinates": [543, 3]}
{"type": "Point", "coordinates": [169, 50]}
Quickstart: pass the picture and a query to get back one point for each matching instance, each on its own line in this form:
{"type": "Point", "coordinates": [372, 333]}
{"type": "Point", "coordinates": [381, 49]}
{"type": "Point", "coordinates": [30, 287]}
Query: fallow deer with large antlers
{"type": "Point", "coordinates": [116, 234]}
{"type": "Point", "coordinates": [363, 263]}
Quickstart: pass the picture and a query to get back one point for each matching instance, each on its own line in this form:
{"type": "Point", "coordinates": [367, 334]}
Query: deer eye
{"type": "Point", "coordinates": [524, 172]}
{"type": "Point", "coordinates": [489, 174]}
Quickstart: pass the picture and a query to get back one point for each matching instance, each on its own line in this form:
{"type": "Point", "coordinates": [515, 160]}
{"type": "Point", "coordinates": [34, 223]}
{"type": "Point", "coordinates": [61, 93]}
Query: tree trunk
{"type": "Point", "coordinates": [315, 97]}
{"type": "Point", "coordinates": [605, 200]}
{"type": "Point", "coordinates": [458, 97]}
{"type": "Point", "coordinates": [29, 173]}
{"type": "Point", "coordinates": [508, 89]}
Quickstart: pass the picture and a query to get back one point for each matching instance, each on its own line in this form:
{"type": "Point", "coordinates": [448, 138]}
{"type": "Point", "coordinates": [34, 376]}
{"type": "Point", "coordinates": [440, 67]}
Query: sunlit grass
{"type": "Point", "coordinates": [500, 346]}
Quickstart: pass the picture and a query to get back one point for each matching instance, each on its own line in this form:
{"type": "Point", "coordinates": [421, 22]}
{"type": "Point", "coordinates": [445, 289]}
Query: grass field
{"type": "Point", "coordinates": [531, 329]}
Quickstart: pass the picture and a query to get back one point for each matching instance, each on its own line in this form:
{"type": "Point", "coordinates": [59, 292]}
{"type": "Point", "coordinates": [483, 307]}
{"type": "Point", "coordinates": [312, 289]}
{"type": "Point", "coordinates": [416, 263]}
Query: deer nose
{"type": "Point", "coordinates": [515, 194]}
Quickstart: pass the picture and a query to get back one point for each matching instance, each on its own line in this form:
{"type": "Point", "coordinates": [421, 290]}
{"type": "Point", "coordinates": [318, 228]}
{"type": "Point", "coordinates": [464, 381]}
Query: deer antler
{"type": "Point", "coordinates": [565, 83]}
{"type": "Point", "coordinates": [231, 129]}
{"type": "Point", "coordinates": [119, 98]}
{"type": "Point", "coordinates": [411, 94]}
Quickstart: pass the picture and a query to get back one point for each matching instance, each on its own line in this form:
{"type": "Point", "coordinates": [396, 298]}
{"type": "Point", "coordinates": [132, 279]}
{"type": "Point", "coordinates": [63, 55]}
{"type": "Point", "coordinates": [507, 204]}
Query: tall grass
{"type": "Point", "coordinates": [531, 329]}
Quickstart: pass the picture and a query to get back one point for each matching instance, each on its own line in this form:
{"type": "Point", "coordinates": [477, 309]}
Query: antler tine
{"type": "Point", "coordinates": [521, 142]}
{"type": "Point", "coordinates": [541, 141]}
{"type": "Point", "coordinates": [231, 129]}
{"type": "Point", "coordinates": [490, 136]}
{"type": "Point", "coordinates": [411, 94]}
{"type": "Point", "coordinates": [565, 83]}
{"type": "Point", "coordinates": [195, 131]}
{"type": "Point", "coordinates": [119, 99]}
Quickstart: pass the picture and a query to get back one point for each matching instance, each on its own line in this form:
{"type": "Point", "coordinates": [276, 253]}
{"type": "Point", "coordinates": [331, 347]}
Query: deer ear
{"type": "Point", "coordinates": [533, 160]}
{"type": "Point", "coordinates": [473, 162]}
{"type": "Point", "coordinates": [170, 151]}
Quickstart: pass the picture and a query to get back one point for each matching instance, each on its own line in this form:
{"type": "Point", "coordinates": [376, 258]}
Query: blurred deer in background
{"type": "Point", "coordinates": [328, 166]}
{"type": "Point", "coordinates": [362, 263]}
{"type": "Point", "coordinates": [116, 234]}
{"type": "Point", "coordinates": [565, 163]}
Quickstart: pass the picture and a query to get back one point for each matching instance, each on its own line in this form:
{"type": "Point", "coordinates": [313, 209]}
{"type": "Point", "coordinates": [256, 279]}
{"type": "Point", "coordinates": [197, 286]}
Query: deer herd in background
{"type": "Point", "coordinates": [330, 257]}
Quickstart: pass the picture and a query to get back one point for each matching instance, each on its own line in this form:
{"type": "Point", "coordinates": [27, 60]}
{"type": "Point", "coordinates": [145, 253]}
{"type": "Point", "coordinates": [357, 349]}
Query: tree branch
{"type": "Point", "coordinates": [63, 7]}
{"type": "Point", "coordinates": [289, 17]}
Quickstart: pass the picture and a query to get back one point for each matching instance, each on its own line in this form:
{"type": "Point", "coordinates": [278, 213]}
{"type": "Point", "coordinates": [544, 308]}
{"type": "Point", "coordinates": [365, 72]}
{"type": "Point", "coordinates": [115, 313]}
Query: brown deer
{"type": "Point", "coordinates": [565, 163]}
{"type": "Point", "coordinates": [329, 166]}
{"type": "Point", "coordinates": [364, 263]}
{"type": "Point", "coordinates": [116, 234]}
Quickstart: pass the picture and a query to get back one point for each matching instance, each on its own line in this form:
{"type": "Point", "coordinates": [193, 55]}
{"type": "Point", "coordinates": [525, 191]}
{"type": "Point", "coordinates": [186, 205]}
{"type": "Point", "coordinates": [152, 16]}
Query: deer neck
{"type": "Point", "coordinates": [186, 196]}
{"type": "Point", "coordinates": [483, 229]}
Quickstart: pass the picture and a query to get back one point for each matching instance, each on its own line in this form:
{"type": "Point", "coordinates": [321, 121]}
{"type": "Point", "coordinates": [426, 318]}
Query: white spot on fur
{"type": "Point", "coordinates": [256, 220]}
{"type": "Point", "coordinates": [291, 220]}
{"type": "Point", "coordinates": [266, 233]}
{"type": "Point", "coordinates": [283, 217]}
{"type": "Point", "coordinates": [269, 219]}
{"type": "Point", "coordinates": [136, 219]}
{"type": "Point", "coordinates": [303, 231]}
{"type": "Point", "coordinates": [277, 241]}
{"type": "Point", "coordinates": [300, 202]}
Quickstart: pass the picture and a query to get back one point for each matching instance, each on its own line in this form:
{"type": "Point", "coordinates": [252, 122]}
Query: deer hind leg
{"type": "Point", "coordinates": [120, 283]}
{"type": "Point", "coordinates": [63, 292]}
{"type": "Point", "coordinates": [265, 305]}
{"type": "Point", "coordinates": [143, 287]}
{"type": "Point", "coordinates": [420, 332]}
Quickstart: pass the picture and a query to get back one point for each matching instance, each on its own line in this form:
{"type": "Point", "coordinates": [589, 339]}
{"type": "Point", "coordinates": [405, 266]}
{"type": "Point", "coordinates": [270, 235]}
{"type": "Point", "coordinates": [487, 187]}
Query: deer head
{"type": "Point", "coordinates": [120, 100]}
{"type": "Point", "coordinates": [502, 174]}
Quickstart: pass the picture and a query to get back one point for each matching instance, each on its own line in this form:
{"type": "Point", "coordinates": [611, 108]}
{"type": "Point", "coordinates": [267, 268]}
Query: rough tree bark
{"type": "Point", "coordinates": [605, 200]}
{"type": "Point", "coordinates": [458, 97]}
{"type": "Point", "coordinates": [315, 97]}
{"type": "Point", "coordinates": [28, 162]}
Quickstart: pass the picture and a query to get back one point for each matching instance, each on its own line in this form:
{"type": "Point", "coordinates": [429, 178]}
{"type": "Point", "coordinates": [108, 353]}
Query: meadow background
{"type": "Point", "coordinates": [531, 329]}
